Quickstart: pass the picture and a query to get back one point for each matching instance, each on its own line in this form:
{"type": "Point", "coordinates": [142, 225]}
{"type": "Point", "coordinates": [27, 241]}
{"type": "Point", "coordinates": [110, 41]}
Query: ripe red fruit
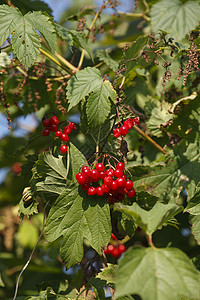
{"type": "Point", "coordinates": [110, 248]}
{"type": "Point", "coordinates": [53, 128]}
{"type": "Point", "coordinates": [67, 130]}
{"type": "Point", "coordinates": [110, 172]}
{"type": "Point", "coordinates": [95, 175]}
{"type": "Point", "coordinates": [124, 130]}
{"type": "Point", "coordinates": [100, 167]}
{"type": "Point", "coordinates": [91, 191]}
{"type": "Point", "coordinates": [63, 149]}
{"type": "Point", "coordinates": [128, 123]}
{"type": "Point", "coordinates": [71, 125]}
{"type": "Point", "coordinates": [121, 182]}
{"type": "Point", "coordinates": [120, 166]}
{"type": "Point", "coordinates": [102, 175]}
{"type": "Point", "coordinates": [16, 167]}
{"type": "Point", "coordinates": [113, 185]}
{"type": "Point", "coordinates": [85, 186]}
{"type": "Point", "coordinates": [54, 120]}
{"type": "Point", "coordinates": [64, 137]}
{"type": "Point", "coordinates": [81, 179]}
{"type": "Point", "coordinates": [46, 131]}
{"type": "Point", "coordinates": [78, 175]}
{"type": "Point", "coordinates": [105, 188]}
{"type": "Point", "coordinates": [113, 237]}
{"type": "Point", "coordinates": [58, 133]}
{"type": "Point", "coordinates": [136, 121]}
{"type": "Point", "coordinates": [131, 193]}
{"type": "Point", "coordinates": [121, 248]}
{"type": "Point", "coordinates": [115, 252]}
{"type": "Point", "coordinates": [108, 180]}
{"type": "Point", "coordinates": [129, 185]}
{"type": "Point", "coordinates": [118, 173]}
{"type": "Point", "coordinates": [106, 251]}
{"type": "Point", "coordinates": [99, 191]}
{"type": "Point", "coordinates": [116, 132]}
{"type": "Point", "coordinates": [86, 172]}
{"type": "Point", "coordinates": [46, 123]}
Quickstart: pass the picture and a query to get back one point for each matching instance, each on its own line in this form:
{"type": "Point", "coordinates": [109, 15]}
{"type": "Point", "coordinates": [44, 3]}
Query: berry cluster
{"type": "Point", "coordinates": [52, 125]}
{"type": "Point", "coordinates": [124, 129]}
{"type": "Point", "coordinates": [116, 250]}
{"type": "Point", "coordinates": [112, 183]}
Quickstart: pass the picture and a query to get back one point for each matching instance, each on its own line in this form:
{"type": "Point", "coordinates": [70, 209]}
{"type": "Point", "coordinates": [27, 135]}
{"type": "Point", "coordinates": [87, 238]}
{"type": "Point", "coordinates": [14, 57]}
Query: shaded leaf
{"type": "Point", "coordinates": [77, 159]}
{"type": "Point", "coordinates": [77, 216]}
{"type": "Point", "coordinates": [195, 221]}
{"type": "Point", "coordinates": [151, 220]}
{"type": "Point", "coordinates": [4, 59]}
{"type": "Point", "coordinates": [108, 274]}
{"type": "Point", "coordinates": [157, 274]}
{"type": "Point", "coordinates": [104, 56]}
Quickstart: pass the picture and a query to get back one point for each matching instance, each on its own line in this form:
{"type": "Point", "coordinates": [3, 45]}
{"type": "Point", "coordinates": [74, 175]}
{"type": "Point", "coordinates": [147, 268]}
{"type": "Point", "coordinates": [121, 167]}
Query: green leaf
{"type": "Point", "coordinates": [159, 116]}
{"type": "Point", "coordinates": [64, 34]}
{"type": "Point", "coordinates": [108, 274]}
{"type": "Point", "coordinates": [77, 216]}
{"type": "Point", "coordinates": [27, 234]}
{"type": "Point", "coordinates": [104, 56]}
{"type": "Point", "coordinates": [157, 274]}
{"type": "Point", "coordinates": [80, 41]}
{"type": "Point", "coordinates": [85, 82]}
{"type": "Point", "coordinates": [175, 17]}
{"type": "Point", "coordinates": [49, 174]}
{"type": "Point", "coordinates": [28, 5]}
{"type": "Point", "coordinates": [27, 209]}
{"type": "Point", "coordinates": [77, 159]}
{"type": "Point", "coordinates": [166, 181]}
{"type": "Point", "coordinates": [151, 220]}
{"type": "Point", "coordinates": [183, 101]}
{"type": "Point", "coordinates": [133, 52]}
{"type": "Point", "coordinates": [25, 40]}
{"type": "Point", "coordinates": [193, 206]}
{"type": "Point", "coordinates": [195, 221]}
{"type": "Point", "coordinates": [145, 200]}
{"type": "Point", "coordinates": [4, 59]}
{"type": "Point", "coordinates": [98, 104]}
{"type": "Point", "coordinates": [2, 284]}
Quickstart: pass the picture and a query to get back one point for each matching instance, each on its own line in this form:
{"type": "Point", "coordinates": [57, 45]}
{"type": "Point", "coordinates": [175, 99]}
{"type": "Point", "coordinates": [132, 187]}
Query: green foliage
{"type": "Point", "coordinates": [167, 273]}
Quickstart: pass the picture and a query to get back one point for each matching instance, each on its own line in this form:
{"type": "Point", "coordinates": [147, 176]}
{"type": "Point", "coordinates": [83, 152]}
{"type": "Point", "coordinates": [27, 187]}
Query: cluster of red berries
{"type": "Point", "coordinates": [124, 129]}
{"type": "Point", "coordinates": [112, 183]}
{"type": "Point", "coordinates": [116, 250]}
{"type": "Point", "coordinates": [52, 125]}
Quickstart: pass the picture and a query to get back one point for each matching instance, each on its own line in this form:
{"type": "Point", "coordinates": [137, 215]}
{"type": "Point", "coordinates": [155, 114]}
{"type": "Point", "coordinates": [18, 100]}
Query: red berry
{"type": "Point", "coordinates": [113, 237]}
{"type": "Point", "coordinates": [110, 248]}
{"type": "Point", "coordinates": [67, 130]}
{"type": "Point", "coordinates": [71, 125]}
{"type": "Point", "coordinates": [136, 121]}
{"type": "Point", "coordinates": [106, 251]}
{"type": "Point", "coordinates": [58, 133]}
{"type": "Point", "coordinates": [95, 175]}
{"type": "Point", "coordinates": [124, 130]}
{"type": "Point", "coordinates": [116, 132]}
{"type": "Point", "coordinates": [85, 186]}
{"type": "Point", "coordinates": [64, 137]}
{"type": "Point", "coordinates": [129, 185]}
{"type": "Point", "coordinates": [46, 131]}
{"type": "Point", "coordinates": [78, 176]}
{"type": "Point", "coordinates": [131, 193]}
{"type": "Point", "coordinates": [113, 185]}
{"type": "Point", "coordinates": [102, 175]}
{"type": "Point", "coordinates": [115, 252]}
{"type": "Point", "coordinates": [108, 180]}
{"type": "Point", "coordinates": [121, 182]}
{"type": "Point", "coordinates": [63, 149]}
{"type": "Point", "coordinates": [91, 191]}
{"type": "Point", "coordinates": [110, 172]}
{"type": "Point", "coordinates": [86, 172]}
{"type": "Point", "coordinates": [46, 123]}
{"type": "Point", "coordinates": [54, 120]}
{"type": "Point", "coordinates": [118, 173]}
{"type": "Point", "coordinates": [54, 128]}
{"type": "Point", "coordinates": [120, 166]}
{"type": "Point", "coordinates": [81, 179]}
{"type": "Point", "coordinates": [100, 167]}
{"type": "Point", "coordinates": [105, 188]}
{"type": "Point", "coordinates": [121, 248]}
{"type": "Point", "coordinates": [99, 191]}
{"type": "Point", "coordinates": [128, 123]}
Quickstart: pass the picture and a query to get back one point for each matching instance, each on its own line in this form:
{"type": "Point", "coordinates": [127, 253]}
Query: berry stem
{"type": "Point", "coordinates": [150, 241]}
{"type": "Point", "coordinates": [149, 139]}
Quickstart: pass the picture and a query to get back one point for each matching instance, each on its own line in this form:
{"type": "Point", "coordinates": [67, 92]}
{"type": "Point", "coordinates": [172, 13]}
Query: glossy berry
{"type": "Point", "coordinates": [110, 172]}
{"type": "Point", "coordinates": [63, 149]}
{"type": "Point", "coordinates": [105, 188]}
{"type": "Point", "coordinates": [46, 131]}
{"type": "Point", "coordinates": [118, 173]}
{"type": "Point", "coordinates": [81, 179]}
{"type": "Point", "coordinates": [124, 130]}
{"type": "Point", "coordinates": [64, 137]}
{"type": "Point", "coordinates": [115, 252]}
{"type": "Point", "coordinates": [54, 120]}
{"type": "Point", "coordinates": [72, 125]}
{"type": "Point", "coordinates": [78, 175]}
{"type": "Point", "coordinates": [128, 123]}
{"type": "Point", "coordinates": [53, 128]}
{"type": "Point", "coordinates": [121, 248]}
{"type": "Point", "coordinates": [85, 186]}
{"type": "Point", "coordinates": [99, 191]}
{"type": "Point", "coordinates": [131, 193]}
{"type": "Point", "coordinates": [102, 175]}
{"type": "Point", "coordinates": [46, 123]}
{"type": "Point", "coordinates": [113, 185]}
{"type": "Point", "coordinates": [91, 191]}
{"type": "Point", "coordinates": [110, 248]}
{"type": "Point", "coordinates": [108, 180]}
{"type": "Point", "coordinates": [95, 175]}
{"type": "Point", "coordinates": [116, 132]}
{"type": "Point", "coordinates": [67, 130]}
{"type": "Point", "coordinates": [86, 172]}
{"type": "Point", "coordinates": [58, 133]}
{"type": "Point", "coordinates": [136, 121]}
{"type": "Point", "coordinates": [100, 167]}
{"type": "Point", "coordinates": [120, 166]}
{"type": "Point", "coordinates": [113, 237]}
{"type": "Point", "coordinates": [129, 185]}
{"type": "Point", "coordinates": [121, 182]}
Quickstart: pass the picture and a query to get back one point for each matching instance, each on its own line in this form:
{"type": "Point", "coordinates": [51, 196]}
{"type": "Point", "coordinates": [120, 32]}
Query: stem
{"type": "Point", "coordinates": [55, 61]}
{"type": "Point", "coordinates": [150, 241]}
{"type": "Point", "coordinates": [22, 71]}
{"type": "Point", "coordinates": [149, 139]}
{"type": "Point", "coordinates": [65, 62]}
{"type": "Point", "coordinates": [81, 292]}
{"type": "Point", "coordinates": [135, 15]}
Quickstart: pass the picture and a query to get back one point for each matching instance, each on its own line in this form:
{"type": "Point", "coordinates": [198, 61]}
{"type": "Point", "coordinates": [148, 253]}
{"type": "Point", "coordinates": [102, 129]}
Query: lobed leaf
{"type": "Point", "coordinates": [76, 217]}
{"type": "Point", "coordinates": [157, 274]}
